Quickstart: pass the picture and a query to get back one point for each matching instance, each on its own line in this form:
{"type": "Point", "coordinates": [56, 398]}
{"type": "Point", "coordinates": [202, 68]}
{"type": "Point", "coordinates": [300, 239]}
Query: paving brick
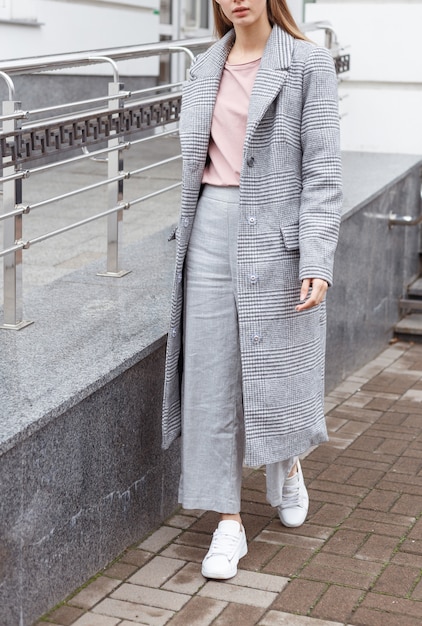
{"type": "Point", "coordinates": [345, 490]}
{"type": "Point", "coordinates": [255, 580]}
{"type": "Point", "coordinates": [329, 497]}
{"type": "Point", "coordinates": [394, 481]}
{"type": "Point", "coordinates": [91, 619]}
{"type": "Point", "coordinates": [136, 557]}
{"type": "Point", "coordinates": [379, 500]}
{"type": "Point", "coordinates": [309, 529]}
{"type": "Point", "coordinates": [334, 423]}
{"type": "Point", "coordinates": [299, 596]}
{"type": "Point", "coordinates": [199, 540]}
{"type": "Point", "coordinates": [397, 580]}
{"type": "Point", "coordinates": [378, 522]}
{"type": "Point", "coordinates": [156, 571]}
{"type": "Point", "coordinates": [120, 571]}
{"type": "Point", "coordinates": [239, 595]}
{"type": "Point", "coordinates": [134, 612]}
{"type": "Point", "coordinates": [417, 592]}
{"type": "Point", "coordinates": [391, 604]}
{"type": "Point", "coordinates": [416, 532]}
{"type": "Point", "coordinates": [257, 508]}
{"type": "Point", "coordinates": [377, 548]}
{"type": "Point", "coordinates": [366, 477]}
{"type": "Point", "coordinates": [331, 515]}
{"type": "Point", "coordinates": [151, 597]}
{"type": "Point", "coordinates": [238, 614]}
{"type": "Point", "coordinates": [256, 481]}
{"type": "Point", "coordinates": [254, 524]}
{"type": "Point", "coordinates": [414, 546]}
{"type": "Point", "coordinates": [337, 603]}
{"type": "Point", "coordinates": [288, 561]}
{"type": "Point", "coordinates": [187, 580]}
{"type": "Point", "coordinates": [365, 415]}
{"type": "Point", "coordinates": [259, 554]}
{"type": "Point", "coordinates": [341, 570]}
{"type": "Point", "coordinates": [94, 592]}
{"type": "Point", "coordinates": [381, 404]}
{"type": "Point", "coordinates": [325, 454]}
{"type": "Point", "coordinates": [277, 618]}
{"type": "Point", "coordinates": [366, 617]}
{"type": "Point", "coordinates": [181, 521]}
{"type": "Point", "coordinates": [254, 496]}
{"type": "Point", "coordinates": [392, 417]}
{"type": "Point", "coordinates": [345, 542]}
{"type": "Point", "coordinates": [185, 553]}
{"type": "Point", "coordinates": [408, 505]}
{"type": "Point", "coordinates": [198, 612]}
{"type": "Point", "coordinates": [408, 465]}
{"type": "Point", "coordinates": [355, 458]}
{"type": "Point", "coordinates": [406, 558]}
{"type": "Point", "coordinates": [65, 615]}
{"type": "Point", "coordinates": [159, 539]}
{"type": "Point", "coordinates": [282, 537]}
{"type": "Point", "coordinates": [206, 524]}
{"type": "Point", "coordinates": [336, 473]}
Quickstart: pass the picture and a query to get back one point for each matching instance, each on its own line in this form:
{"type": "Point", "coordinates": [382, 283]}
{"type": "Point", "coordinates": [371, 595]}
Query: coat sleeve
{"type": "Point", "coordinates": [321, 197]}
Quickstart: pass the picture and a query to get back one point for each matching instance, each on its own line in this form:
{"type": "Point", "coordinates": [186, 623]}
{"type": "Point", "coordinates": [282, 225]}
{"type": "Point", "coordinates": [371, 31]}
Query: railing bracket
{"type": "Point", "coordinates": [114, 274]}
{"type": "Point", "coordinates": [18, 326]}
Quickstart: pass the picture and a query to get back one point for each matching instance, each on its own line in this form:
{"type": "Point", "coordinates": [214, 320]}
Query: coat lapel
{"type": "Point", "coordinates": [271, 75]}
{"type": "Point", "coordinates": [205, 77]}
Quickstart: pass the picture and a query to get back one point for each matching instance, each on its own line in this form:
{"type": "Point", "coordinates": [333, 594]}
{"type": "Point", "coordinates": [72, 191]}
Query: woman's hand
{"type": "Point", "coordinates": [317, 295]}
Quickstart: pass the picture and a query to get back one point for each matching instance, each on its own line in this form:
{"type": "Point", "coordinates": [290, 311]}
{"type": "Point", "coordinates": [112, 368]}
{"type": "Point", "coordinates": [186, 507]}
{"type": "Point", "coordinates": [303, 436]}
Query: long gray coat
{"type": "Point", "coordinates": [289, 215]}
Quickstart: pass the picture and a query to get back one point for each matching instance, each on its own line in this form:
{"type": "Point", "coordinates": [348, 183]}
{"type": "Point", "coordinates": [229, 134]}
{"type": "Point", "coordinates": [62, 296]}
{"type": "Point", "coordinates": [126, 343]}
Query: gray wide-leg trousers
{"type": "Point", "coordinates": [212, 417]}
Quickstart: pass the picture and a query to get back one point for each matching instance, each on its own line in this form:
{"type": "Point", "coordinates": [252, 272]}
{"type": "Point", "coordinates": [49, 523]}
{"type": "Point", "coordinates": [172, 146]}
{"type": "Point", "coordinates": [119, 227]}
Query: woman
{"type": "Point", "coordinates": [261, 196]}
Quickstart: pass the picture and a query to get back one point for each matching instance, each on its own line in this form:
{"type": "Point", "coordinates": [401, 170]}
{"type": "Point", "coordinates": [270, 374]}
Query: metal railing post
{"type": "Point", "coordinates": [115, 189]}
{"type": "Point", "coordinates": [12, 262]}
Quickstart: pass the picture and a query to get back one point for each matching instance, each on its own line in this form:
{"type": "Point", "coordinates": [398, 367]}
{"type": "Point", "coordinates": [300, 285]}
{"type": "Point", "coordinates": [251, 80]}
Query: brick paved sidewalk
{"type": "Point", "coordinates": [357, 560]}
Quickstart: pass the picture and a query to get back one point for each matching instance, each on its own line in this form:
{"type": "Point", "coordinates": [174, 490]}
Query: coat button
{"type": "Point", "coordinates": [186, 222]}
{"type": "Point", "coordinates": [252, 220]}
{"type": "Point", "coordinates": [254, 279]}
{"type": "Point", "coordinates": [256, 339]}
{"type": "Point", "coordinates": [179, 277]}
{"type": "Point", "coordinates": [173, 332]}
{"type": "Point", "coordinates": [250, 161]}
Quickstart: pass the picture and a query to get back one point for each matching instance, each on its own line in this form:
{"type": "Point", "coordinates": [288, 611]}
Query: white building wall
{"type": "Point", "coordinates": [382, 94]}
{"type": "Point", "coordinates": [41, 27]}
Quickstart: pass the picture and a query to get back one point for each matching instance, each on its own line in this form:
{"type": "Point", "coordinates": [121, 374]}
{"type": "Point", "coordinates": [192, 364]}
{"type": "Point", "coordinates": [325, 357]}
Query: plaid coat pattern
{"type": "Point", "coordinates": [289, 216]}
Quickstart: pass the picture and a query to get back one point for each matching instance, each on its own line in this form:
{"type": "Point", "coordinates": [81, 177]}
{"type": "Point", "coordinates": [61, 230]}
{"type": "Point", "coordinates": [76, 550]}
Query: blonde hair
{"type": "Point", "coordinates": [278, 13]}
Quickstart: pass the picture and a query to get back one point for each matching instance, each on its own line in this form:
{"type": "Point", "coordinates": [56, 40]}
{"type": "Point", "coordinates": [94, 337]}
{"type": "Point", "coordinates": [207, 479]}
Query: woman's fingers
{"type": "Point", "coordinates": [316, 296]}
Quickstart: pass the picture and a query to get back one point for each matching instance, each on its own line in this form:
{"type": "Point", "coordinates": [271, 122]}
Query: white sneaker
{"type": "Point", "coordinates": [228, 545]}
{"type": "Point", "coordinates": [295, 500]}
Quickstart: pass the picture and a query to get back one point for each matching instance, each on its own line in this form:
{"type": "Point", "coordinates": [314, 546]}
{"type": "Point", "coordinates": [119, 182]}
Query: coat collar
{"type": "Point", "coordinates": [277, 54]}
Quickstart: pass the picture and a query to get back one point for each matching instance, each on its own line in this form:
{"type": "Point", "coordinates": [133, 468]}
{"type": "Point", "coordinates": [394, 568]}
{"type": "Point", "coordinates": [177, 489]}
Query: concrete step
{"type": "Point", "coordinates": [410, 327]}
{"type": "Point", "coordinates": [415, 289]}
{"type": "Point", "coordinates": [407, 305]}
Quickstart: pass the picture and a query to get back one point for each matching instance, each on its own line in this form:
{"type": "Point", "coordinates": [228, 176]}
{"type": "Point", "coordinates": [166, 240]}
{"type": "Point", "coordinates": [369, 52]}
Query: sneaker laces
{"type": "Point", "coordinates": [223, 543]}
{"type": "Point", "coordinates": [291, 494]}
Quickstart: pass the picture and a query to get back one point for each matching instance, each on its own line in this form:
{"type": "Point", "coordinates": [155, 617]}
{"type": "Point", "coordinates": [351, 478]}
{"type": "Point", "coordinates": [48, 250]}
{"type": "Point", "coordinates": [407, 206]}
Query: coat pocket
{"type": "Point", "coordinates": [290, 234]}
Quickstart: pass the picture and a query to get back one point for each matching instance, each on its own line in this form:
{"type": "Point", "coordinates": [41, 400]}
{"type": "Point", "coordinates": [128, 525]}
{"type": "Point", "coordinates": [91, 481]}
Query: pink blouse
{"type": "Point", "coordinates": [228, 126]}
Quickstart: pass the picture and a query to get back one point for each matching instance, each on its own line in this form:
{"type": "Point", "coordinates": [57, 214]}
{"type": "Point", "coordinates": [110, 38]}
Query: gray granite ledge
{"type": "Point", "coordinates": [368, 174]}
{"type": "Point", "coordinates": [88, 329]}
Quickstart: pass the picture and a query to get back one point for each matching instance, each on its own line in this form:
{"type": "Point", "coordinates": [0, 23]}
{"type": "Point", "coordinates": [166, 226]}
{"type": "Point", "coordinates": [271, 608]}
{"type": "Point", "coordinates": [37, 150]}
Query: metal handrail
{"type": "Point", "coordinates": [405, 220]}
{"type": "Point", "coordinates": [71, 125]}
{"type": "Point", "coordinates": [15, 67]}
